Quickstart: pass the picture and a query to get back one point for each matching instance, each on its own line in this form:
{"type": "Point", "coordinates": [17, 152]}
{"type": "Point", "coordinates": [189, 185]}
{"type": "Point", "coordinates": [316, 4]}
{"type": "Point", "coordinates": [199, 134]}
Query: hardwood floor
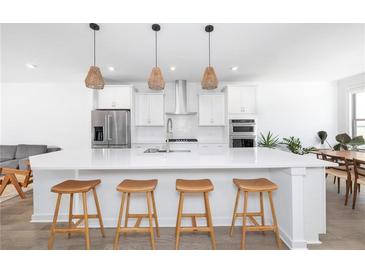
{"type": "Point", "coordinates": [345, 230]}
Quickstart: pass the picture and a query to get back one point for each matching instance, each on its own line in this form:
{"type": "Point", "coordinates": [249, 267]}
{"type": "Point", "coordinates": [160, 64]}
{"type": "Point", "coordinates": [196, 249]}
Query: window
{"type": "Point", "coordinates": [358, 117]}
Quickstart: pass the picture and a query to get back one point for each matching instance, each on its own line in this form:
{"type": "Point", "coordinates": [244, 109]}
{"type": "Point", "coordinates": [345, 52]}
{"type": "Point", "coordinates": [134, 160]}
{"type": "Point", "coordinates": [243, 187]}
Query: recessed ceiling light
{"type": "Point", "coordinates": [234, 68]}
{"type": "Point", "coordinates": [172, 68]}
{"type": "Point", "coordinates": [31, 66]}
{"type": "Point", "coordinates": [111, 68]}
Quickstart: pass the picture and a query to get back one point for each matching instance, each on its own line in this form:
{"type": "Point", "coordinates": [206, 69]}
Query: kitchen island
{"type": "Point", "coordinates": [300, 200]}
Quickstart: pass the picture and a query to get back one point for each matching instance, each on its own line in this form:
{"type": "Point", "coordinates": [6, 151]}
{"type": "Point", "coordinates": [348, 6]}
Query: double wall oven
{"type": "Point", "coordinates": [242, 133]}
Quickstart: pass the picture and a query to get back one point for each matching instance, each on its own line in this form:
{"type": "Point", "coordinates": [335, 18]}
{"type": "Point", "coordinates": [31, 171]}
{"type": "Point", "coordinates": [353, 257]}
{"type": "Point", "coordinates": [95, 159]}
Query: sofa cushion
{"type": "Point", "coordinates": [24, 151]}
{"type": "Point", "coordinates": [53, 149]}
{"type": "Point", "coordinates": [22, 164]}
{"type": "Point", "coordinates": [10, 164]}
{"type": "Point", "coordinates": [7, 152]}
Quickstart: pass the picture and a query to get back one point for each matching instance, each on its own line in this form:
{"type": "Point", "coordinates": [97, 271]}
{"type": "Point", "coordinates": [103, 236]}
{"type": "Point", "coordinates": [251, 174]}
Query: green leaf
{"type": "Point", "coordinates": [343, 138]}
{"type": "Point", "coordinates": [357, 141]}
{"type": "Point", "coordinates": [337, 147]}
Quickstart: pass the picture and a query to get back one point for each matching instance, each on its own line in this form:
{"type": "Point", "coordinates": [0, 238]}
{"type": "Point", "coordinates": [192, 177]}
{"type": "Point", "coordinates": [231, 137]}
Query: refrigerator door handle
{"type": "Point", "coordinates": [108, 127]}
{"type": "Point", "coordinates": [126, 131]}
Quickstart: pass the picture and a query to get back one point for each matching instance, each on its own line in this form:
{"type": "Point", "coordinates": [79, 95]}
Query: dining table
{"type": "Point", "coordinates": [348, 154]}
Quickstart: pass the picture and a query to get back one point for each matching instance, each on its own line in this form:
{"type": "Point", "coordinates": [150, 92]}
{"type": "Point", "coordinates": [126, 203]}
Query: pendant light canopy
{"type": "Point", "coordinates": [209, 80]}
{"type": "Point", "coordinates": [94, 79]}
{"type": "Point", "coordinates": [156, 80]}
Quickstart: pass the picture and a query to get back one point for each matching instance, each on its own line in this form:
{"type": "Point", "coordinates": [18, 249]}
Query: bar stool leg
{"type": "Point", "coordinates": [178, 223]}
{"type": "Point", "coordinates": [148, 194]}
{"type": "Point", "coordinates": [262, 211]}
{"type": "Point", "coordinates": [116, 241]}
{"type": "Point", "coordinates": [209, 219]}
{"type": "Point", "coordinates": [177, 217]}
{"type": "Point", "coordinates": [155, 214]}
{"type": "Point", "coordinates": [243, 240]}
{"type": "Point", "coordinates": [86, 221]}
{"type": "Point", "coordinates": [127, 212]}
{"type": "Point", "coordinates": [53, 227]}
{"type": "Point", "coordinates": [70, 214]}
{"type": "Point", "coordinates": [277, 235]}
{"type": "Point", "coordinates": [234, 212]}
{"type": "Point", "coordinates": [99, 213]}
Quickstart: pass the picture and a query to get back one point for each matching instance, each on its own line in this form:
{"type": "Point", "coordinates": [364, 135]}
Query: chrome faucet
{"type": "Point", "coordinates": [168, 134]}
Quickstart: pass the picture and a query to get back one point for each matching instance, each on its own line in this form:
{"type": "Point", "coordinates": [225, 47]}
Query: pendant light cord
{"type": "Point", "coordinates": [156, 49]}
{"type": "Point", "coordinates": [94, 50]}
{"type": "Point", "coordinates": [209, 48]}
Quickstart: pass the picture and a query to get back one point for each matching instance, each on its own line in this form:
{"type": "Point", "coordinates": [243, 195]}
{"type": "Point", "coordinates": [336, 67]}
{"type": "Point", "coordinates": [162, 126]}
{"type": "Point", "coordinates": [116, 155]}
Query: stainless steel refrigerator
{"type": "Point", "coordinates": [110, 129]}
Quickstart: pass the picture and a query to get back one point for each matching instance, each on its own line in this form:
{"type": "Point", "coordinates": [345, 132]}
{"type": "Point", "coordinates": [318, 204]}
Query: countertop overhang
{"type": "Point", "coordinates": [200, 158]}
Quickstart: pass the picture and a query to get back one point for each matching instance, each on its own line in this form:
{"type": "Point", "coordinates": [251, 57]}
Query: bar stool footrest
{"type": "Point", "coordinates": [195, 229]}
{"type": "Point", "coordinates": [69, 230]}
{"type": "Point", "coordinates": [260, 228]}
{"type": "Point", "coordinates": [134, 229]}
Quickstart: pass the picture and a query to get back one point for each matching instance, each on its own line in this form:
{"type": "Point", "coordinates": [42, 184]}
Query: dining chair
{"type": "Point", "coordinates": [359, 178]}
{"type": "Point", "coordinates": [343, 171]}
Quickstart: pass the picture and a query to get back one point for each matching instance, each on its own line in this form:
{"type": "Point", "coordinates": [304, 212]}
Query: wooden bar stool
{"type": "Point", "coordinates": [137, 186]}
{"type": "Point", "coordinates": [71, 187]}
{"type": "Point", "coordinates": [194, 186]}
{"type": "Point", "coordinates": [255, 185]}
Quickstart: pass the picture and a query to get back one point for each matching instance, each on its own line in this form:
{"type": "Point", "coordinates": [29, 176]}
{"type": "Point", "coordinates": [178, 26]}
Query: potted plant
{"type": "Point", "coordinates": [269, 141]}
{"type": "Point", "coordinates": [295, 146]}
{"type": "Point", "coordinates": [346, 143]}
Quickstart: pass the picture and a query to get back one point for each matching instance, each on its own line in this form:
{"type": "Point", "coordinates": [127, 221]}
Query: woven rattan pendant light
{"type": "Point", "coordinates": [209, 80]}
{"type": "Point", "coordinates": [94, 79]}
{"type": "Point", "coordinates": [156, 81]}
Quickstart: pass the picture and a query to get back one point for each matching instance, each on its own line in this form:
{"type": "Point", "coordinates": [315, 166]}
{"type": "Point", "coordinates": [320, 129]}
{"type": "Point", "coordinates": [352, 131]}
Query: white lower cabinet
{"type": "Point", "coordinates": [149, 109]}
{"type": "Point", "coordinates": [211, 110]}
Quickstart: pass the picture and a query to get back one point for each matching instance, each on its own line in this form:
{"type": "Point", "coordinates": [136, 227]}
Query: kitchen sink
{"type": "Point", "coordinates": [156, 150]}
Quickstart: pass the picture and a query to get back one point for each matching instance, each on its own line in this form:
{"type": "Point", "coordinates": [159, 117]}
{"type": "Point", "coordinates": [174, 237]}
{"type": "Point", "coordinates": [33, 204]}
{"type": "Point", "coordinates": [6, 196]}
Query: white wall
{"type": "Point", "coordinates": [46, 113]}
{"type": "Point", "coordinates": [59, 114]}
{"type": "Point", "coordinates": [346, 87]}
{"type": "Point", "coordinates": [298, 109]}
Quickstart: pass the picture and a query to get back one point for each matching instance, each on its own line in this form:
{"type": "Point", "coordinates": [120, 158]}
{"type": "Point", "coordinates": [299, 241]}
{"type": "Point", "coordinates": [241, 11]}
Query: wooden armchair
{"type": "Point", "coordinates": [343, 171]}
{"type": "Point", "coordinates": [18, 178]}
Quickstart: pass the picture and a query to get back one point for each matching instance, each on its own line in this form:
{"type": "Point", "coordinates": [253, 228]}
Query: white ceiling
{"type": "Point", "coordinates": [263, 52]}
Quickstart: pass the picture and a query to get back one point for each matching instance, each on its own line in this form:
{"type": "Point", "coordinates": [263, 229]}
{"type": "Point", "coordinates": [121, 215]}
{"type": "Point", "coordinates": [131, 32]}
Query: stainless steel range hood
{"type": "Point", "coordinates": [181, 99]}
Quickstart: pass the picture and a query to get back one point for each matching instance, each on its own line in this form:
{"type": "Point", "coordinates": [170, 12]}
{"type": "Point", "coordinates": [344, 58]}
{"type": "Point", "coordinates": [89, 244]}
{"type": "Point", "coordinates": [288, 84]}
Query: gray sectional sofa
{"type": "Point", "coordinates": [13, 156]}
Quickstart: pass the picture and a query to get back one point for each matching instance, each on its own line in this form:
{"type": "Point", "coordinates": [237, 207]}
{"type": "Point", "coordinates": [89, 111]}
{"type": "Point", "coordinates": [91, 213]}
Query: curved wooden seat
{"type": "Point", "coordinates": [255, 185]}
{"type": "Point", "coordinates": [203, 185]}
{"type": "Point", "coordinates": [137, 185]}
{"type": "Point", "coordinates": [75, 186]}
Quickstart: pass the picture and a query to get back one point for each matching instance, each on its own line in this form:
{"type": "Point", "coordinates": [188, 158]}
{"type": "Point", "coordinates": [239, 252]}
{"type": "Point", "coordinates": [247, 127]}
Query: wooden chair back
{"type": "Point", "coordinates": [342, 161]}
{"type": "Point", "coordinates": [359, 168]}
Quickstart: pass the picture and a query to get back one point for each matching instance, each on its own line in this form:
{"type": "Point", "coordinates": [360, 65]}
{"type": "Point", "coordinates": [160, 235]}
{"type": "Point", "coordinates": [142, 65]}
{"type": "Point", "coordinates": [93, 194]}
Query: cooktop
{"type": "Point", "coordinates": [188, 140]}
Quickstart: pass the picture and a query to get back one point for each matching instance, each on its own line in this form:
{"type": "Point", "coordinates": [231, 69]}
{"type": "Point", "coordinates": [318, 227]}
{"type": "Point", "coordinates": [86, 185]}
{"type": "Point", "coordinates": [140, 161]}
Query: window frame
{"type": "Point", "coordinates": [354, 119]}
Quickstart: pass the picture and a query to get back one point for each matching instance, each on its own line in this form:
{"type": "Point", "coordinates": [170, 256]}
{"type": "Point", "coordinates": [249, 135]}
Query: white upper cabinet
{"type": "Point", "coordinates": [211, 110]}
{"type": "Point", "coordinates": [241, 99]}
{"type": "Point", "coordinates": [149, 109]}
{"type": "Point", "coordinates": [114, 97]}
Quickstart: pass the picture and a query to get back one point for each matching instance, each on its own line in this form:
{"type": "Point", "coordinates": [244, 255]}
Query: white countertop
{"type": "Point", "coordinates": [200, 158]}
